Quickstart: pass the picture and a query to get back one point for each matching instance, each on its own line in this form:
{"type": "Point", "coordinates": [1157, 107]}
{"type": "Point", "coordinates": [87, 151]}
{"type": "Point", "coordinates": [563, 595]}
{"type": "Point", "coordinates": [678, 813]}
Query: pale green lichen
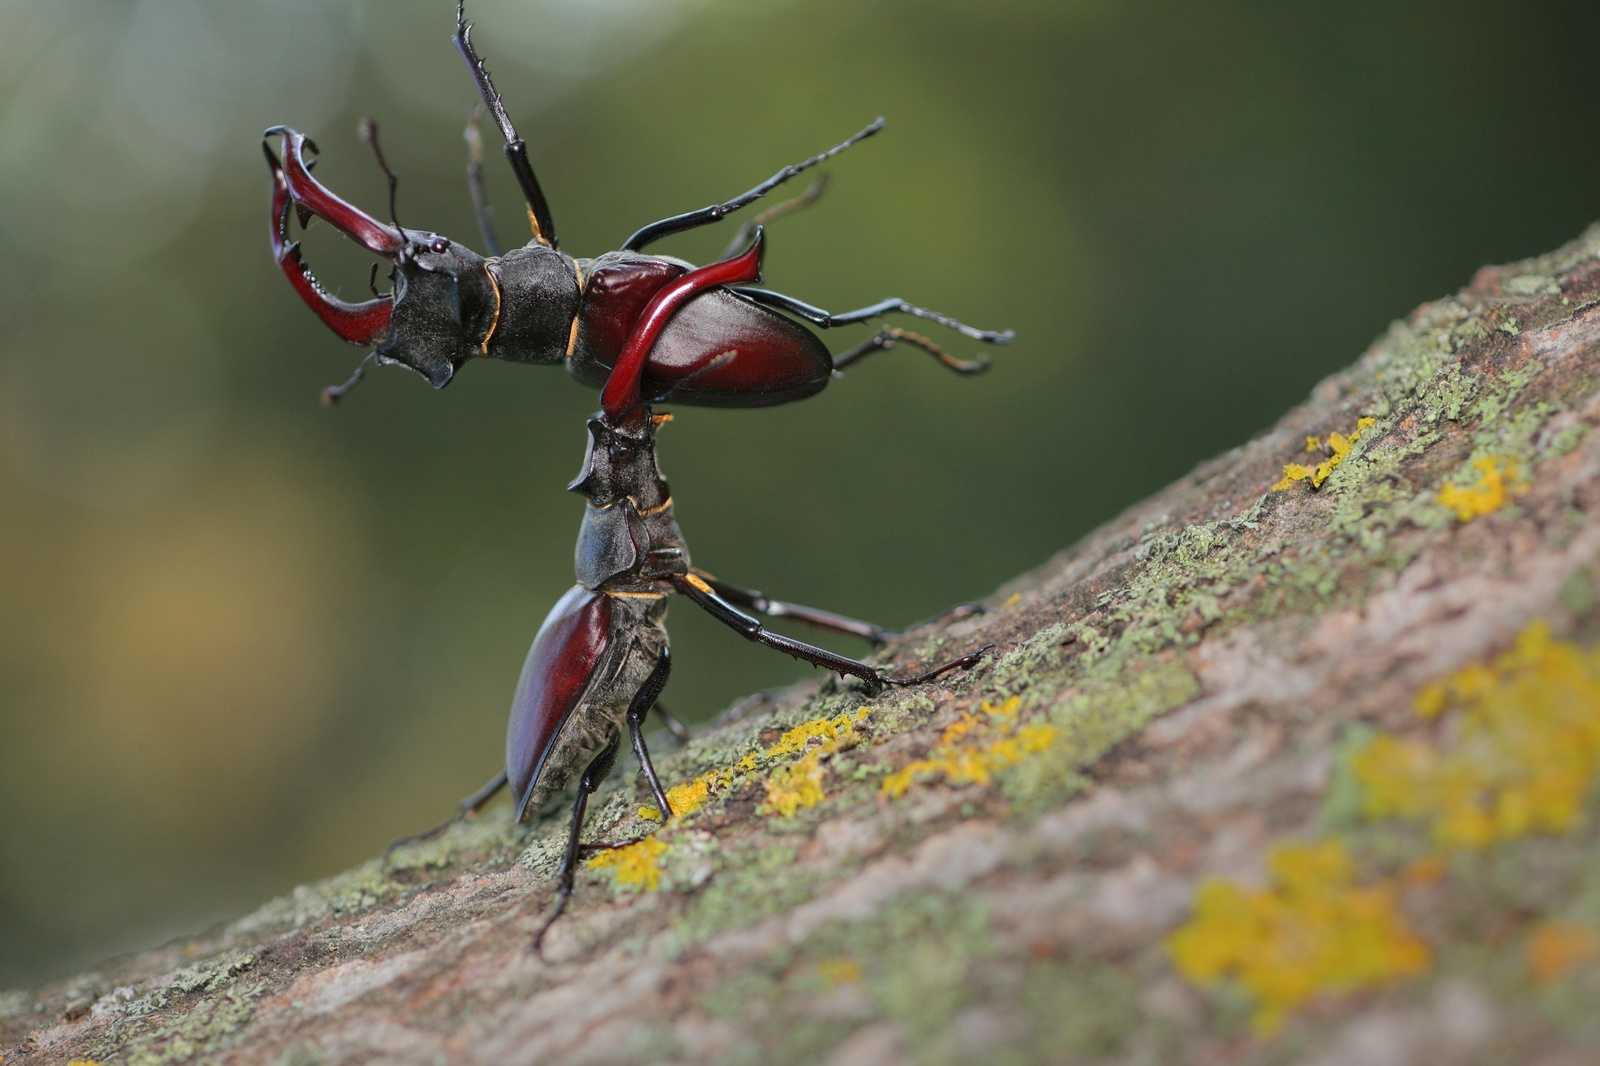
{"type": "Point", "coordinates": [193, 1030]}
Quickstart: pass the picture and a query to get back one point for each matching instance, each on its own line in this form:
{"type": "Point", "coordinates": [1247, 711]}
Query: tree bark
{"type": "Point", "coordinates": [1184, 724]}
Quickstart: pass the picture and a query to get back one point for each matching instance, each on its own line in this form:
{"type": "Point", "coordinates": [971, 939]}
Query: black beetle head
{"type": "Point", "coordinates": [444, 301]}
{"type": "Point", "coordinates": [444, 306]}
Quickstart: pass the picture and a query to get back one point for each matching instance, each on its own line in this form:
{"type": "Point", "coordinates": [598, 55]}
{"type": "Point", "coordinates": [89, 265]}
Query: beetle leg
{"type": "Point", "coordinates": [544, 230]}
{"type": "Point", "coordinates": [706, 598]}
{"type": "Point", "coordinates": [596, 772]}
{"type": "Point", "coordinates": [643, 700]}
{"type": "Point", "coordinates": [812, 194]}
{"type": "Point", "coordinates": [890, 337]}
{"type": "Point", "coordinates": [893, 305]}
{"type": "Point", "coordinates": [673, 724]}
{"type": "Point", "coordinates": [826, 620]}
{"type": "Point", "coordinates": [480, 202]}
{"type": "Point", "coordinates": [716, 212]}
{"type": "Point", "coordinates": [466, 809]}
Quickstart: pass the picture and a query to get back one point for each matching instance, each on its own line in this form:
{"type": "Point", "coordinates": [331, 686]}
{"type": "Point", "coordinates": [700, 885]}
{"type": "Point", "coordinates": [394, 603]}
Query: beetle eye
{"type": "Point", "coordinates": [440, 245]}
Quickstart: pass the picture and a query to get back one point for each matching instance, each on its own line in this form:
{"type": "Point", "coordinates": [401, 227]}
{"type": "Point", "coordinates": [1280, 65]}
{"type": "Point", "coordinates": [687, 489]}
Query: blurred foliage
{"type": "Point", "coordinates": [244, 640]}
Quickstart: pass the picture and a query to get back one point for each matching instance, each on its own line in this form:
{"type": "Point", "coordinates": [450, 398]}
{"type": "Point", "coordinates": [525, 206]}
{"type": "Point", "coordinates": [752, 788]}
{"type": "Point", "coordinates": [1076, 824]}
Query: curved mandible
{"type": "Point", "coordinates": [311, 195]}
{"type": "Point", "coordinates": [364, 323]}
{"type": "Point", "coordinates": [621, 392]}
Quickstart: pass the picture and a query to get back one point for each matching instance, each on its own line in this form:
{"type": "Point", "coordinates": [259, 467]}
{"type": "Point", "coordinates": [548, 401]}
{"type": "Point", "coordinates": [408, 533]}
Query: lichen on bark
{"type": "Point", "coordinates": [996, 867]}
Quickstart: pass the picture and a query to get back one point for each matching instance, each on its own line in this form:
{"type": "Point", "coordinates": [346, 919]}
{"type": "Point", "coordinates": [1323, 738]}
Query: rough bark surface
{"type": "Point", "coordinates": [1182, 712]}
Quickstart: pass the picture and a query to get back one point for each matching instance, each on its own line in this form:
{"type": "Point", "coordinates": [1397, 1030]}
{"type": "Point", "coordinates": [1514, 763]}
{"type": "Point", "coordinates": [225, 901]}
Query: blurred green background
{"type": "Point", "coordinates": [245, 640]}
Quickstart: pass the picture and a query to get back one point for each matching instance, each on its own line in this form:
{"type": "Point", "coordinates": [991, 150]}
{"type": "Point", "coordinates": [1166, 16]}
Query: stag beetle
{"type": "Point", "coordinates": [536, 304]}
{"type": "Point", "coordinates": [602, 657]}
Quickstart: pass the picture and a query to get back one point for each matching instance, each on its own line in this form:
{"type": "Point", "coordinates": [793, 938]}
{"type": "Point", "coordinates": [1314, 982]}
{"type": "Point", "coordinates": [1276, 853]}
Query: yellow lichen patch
{"type": "Point", "coordinates": [843, 971]}
{"type": "Point", "coordinates": [794, 786]}
{"type": "Point", "coordinates": [685, 798]}
{"type": "Point", "coordinates": [834, 733]}
{"type": "Point", "coordinates": [1520, 758]}
{"type": "Point", "coordinates": [1556, 948]}
{"type": "Point", "coordinates": [638, 865]}
{"type": "Point", "coordinates": [1337, 446]}
{"type": "Point", "coordinates": [789, 788]}
{"type": "Point", "coordinates": [1313, 932]}
{"type": "Point", "coordinates": [974, 746]}
{"type": "Point", "coordinates": [1498, 480]}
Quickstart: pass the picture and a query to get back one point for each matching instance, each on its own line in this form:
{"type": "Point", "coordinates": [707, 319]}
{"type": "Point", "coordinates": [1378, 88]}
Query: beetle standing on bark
{"type": "Point", "coordinates": [601, 658]}
{"type": "Point", "coordinates": [536, 304]}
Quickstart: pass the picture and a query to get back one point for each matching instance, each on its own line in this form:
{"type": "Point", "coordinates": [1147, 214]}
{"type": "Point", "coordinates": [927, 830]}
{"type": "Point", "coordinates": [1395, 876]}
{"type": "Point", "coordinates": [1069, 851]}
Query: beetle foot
{"type": "Point", "coordinates": [966, 662]}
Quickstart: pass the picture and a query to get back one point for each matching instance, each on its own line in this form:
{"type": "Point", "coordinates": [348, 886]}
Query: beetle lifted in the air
{"type": "Point", "coordinates": [536, 304]}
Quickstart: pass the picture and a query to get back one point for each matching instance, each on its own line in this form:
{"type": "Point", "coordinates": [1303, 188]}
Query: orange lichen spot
{"type": "Point", "coordinates": [1498, 480]}
{"type": "Point", "coordinates": [638, 865]}
{"type": "Point", "coordinates": [1337, 446]}
{"type": "Point", "coordinates": [1312, 932]}
{"type": "Point", "coordinates": [1520, 758]}
{"type": "Point", "coordinates": [794, 786]}
{"type": "Point", "coordinates": [1011, 601]}
{"type": "Point", "coordinates": [842, 971]}
{"type": "Point", "coordinates": [975, 745]}
{"type": "Point", "coordinates": [1557, 948]}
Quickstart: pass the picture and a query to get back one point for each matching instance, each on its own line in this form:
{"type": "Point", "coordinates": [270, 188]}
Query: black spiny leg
{"type": "Point", "coordinates": [716, 212]}
{"type": "Point", "coordinates": [674, 725]}
{"type": "Point", "coordinates": [891, 337]}
{"type": "Point", "coordinates": [596, 772]}
{"type": "Point", "coordinates": [544, 230]}
{"type": "Point", "coordinates": [750, 599]}
{"type": "Point", "coordinates": [465, 810]}
{"type": "Point", "coordinates": [741, 239]}
{"type": "Point", "coordinates": [706, 598]}
{"type": "Point", "coordinates": [893, 305]}
{"type": "Point", "coordinates": [480, 202]}
{"type": "Point", "coordinates": [637, 709]}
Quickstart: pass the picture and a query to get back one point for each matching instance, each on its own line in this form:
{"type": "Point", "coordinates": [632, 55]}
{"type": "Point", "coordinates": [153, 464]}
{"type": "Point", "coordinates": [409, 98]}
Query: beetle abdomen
{"type": "Point", "coordinates": [774, 359]}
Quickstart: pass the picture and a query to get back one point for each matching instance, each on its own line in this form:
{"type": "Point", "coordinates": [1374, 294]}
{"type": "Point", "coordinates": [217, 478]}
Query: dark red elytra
{"type": "Point", "coordinates": [558, 671]}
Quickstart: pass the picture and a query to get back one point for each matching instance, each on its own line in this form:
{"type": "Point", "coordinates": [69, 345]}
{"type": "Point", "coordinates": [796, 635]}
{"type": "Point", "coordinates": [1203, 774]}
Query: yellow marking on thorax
{"type": "Point", "coordinates": [494, 282]}
{"type": "Point", "coordinates": [635, 595]}
{"type": "Point", "coordinates": [647, 512]}
{"type": "Point", "coordinates": [572, 334]}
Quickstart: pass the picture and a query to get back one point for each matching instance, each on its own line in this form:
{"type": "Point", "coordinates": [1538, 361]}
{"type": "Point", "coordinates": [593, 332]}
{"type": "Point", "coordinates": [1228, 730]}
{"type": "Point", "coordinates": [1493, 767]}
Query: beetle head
{"type": "Point", "coordinates": [620, 461]}
{"type": "Point", "coordinates": [443, 302]}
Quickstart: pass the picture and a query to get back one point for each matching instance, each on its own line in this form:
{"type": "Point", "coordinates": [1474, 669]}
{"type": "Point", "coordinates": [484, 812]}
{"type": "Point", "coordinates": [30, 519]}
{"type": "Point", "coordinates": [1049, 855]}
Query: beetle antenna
{"type": "Point", "coordinates": [368, 131]}
{"type": "Point", "coordinates": [334, 393]}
